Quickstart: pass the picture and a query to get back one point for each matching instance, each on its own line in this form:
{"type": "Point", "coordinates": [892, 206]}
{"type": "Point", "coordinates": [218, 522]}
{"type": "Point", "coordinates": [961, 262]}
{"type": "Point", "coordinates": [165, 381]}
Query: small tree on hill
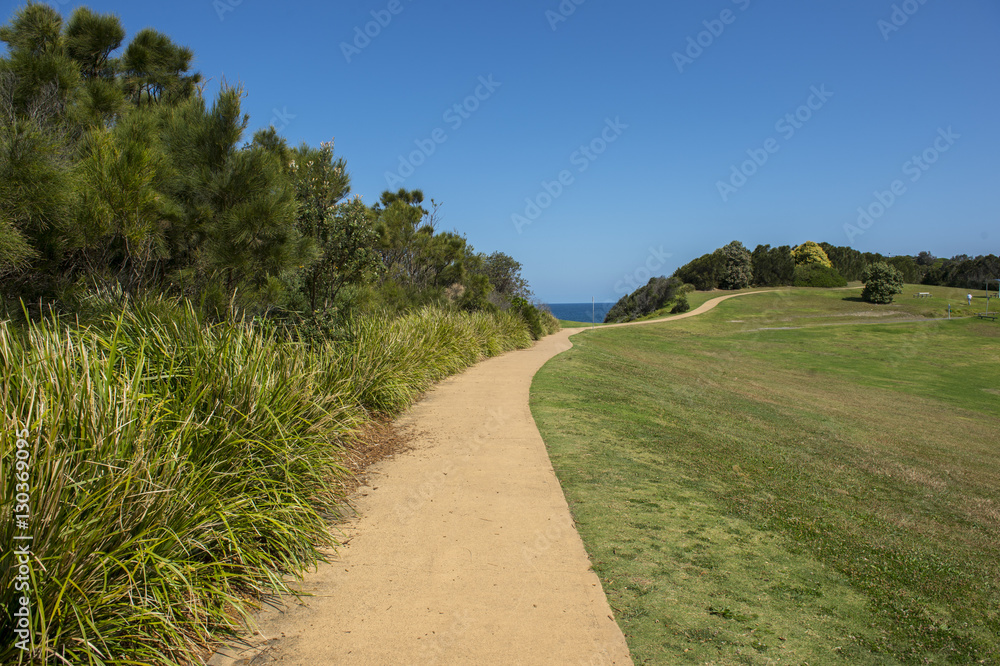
{"type": "Point", "coordinates": [739, 267]}
{"type": "Point", "coordinates": [811, 253]}
{"type": "Point", "coordinates": [882, 282]}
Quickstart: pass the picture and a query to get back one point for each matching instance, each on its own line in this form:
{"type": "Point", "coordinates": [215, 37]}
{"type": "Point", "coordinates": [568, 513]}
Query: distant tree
{"type": "Point", "coordinates": [504, 274]}
{"type": "Point", "coordinates": [925, 259]}
{"type": "Point", "coordinates": [738, 272]}
{"type": "Point", "coordinates": [911, 271]}
{"type": "Point", "coordinates": [705, 273]}
{"type": "Point", "coordinates": [849, 262]}
{"type": "Point", "coordinates": [649, 298]}
{"type": "Point", "coordinates": [963, 271]}
{"type": "Point", "coordinates": [773, 267]}
{"type": "Point", "coordinates": [400, 219]}
{"type": "Point", "coordinates": [882, 282]}
{"type": "Point", "coordinates": [414, 254]}
{"type": "Point", "coordinates": [811, 253]}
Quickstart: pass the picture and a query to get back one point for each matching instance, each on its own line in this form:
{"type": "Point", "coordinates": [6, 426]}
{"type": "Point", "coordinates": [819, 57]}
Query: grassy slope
{"type": "Point", "coordinates": [934, 307]}
{"type": "Point", "coordinates": [814, 495]}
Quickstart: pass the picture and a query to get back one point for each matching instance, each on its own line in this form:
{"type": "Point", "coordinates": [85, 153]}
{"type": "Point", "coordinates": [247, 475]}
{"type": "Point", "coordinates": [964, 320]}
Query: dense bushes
{"type": "Point", "coordinates": [656, 294]}
{"type": "Point", "coordinates": [681, 305]}
{"type": "Point", "coordinates": [180, 469]}
{"type": "Point", "coordinates": [817, 275]}
{"type": "Point", "coordinates": [963, 271]}
{"type": "Point", "coordinates": [117, 173]}
{"type": "Point", "coordinates": [540, 321]}
{"type": "Point", "coordinates": [185, 458]}
{"type": "Point", "coordinates": [781, 266]}
{"type": "Point", "coordinates": [705, 272]}
{"type": "Point", "coordinates": [773, 266]}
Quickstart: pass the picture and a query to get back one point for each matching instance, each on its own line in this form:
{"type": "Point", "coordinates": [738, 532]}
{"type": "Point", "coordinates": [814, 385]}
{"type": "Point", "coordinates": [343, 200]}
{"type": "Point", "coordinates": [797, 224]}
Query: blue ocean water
{"type": "Point", "coordinates": [580, 311]}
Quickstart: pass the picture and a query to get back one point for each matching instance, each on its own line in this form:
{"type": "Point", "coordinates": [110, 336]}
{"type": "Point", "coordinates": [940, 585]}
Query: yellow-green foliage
{"type": "Point", "coordinates": [178, 470]}
{"type": "Point", "coordinates": [811, 253]}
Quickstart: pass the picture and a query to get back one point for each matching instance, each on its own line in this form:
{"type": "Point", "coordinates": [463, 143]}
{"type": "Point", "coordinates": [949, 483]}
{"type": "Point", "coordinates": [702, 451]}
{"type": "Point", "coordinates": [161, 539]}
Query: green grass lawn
{"type": "Point", "coordinates": [829, 301]}
{"type": "Point", "coordinates": [790, 478]}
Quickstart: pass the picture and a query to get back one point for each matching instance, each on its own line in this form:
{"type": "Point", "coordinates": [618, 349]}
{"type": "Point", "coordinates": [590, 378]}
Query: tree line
{"type": "Point", "coordinates": [808, 265]}
{"type": "Point", "coordinates": [116, 173]}
{"type": "Point", "coordinates": [825, 265]}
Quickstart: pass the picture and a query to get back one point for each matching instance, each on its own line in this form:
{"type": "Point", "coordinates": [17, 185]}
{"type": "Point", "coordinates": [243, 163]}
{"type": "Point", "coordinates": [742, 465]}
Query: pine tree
{"type": "Point", "coordinates": [124, 212]}
{"type": "Point", "coordinates": [155, 69]}
{"type": "Point", "coordinates": [37, 60]}
{"type": "Point", "coordinates": [237, 230]}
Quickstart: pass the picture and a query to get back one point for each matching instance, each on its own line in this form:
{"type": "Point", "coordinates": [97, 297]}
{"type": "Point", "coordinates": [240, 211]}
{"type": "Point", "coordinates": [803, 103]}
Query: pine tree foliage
{"type": "Point", "coordinates": [119, 174]}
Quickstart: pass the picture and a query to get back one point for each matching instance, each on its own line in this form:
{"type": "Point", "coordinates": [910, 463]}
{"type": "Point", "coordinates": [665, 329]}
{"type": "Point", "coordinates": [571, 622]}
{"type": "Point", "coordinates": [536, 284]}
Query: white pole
{"type": "Point", "coordinates": [593, 312]}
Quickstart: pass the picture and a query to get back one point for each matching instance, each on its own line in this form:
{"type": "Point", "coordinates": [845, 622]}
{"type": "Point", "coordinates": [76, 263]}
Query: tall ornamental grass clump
{"type": "Point", "coordinates": [384, 363]}
{"type": "Point", "coordinates": [179, 471]}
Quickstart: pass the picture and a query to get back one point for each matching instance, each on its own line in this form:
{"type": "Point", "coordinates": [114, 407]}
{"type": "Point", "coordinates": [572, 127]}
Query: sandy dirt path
{"type": "Point", "coordinates": [463, 550]}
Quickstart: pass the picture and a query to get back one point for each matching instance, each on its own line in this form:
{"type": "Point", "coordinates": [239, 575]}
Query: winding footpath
{"type": "Point", "coordinates": [463, 550]}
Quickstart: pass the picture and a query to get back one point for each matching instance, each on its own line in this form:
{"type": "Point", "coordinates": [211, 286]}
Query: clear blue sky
{"type": "Point", "coordinates": [681, 125]}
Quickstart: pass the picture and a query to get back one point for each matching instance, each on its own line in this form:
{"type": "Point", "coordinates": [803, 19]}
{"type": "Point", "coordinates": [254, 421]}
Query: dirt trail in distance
{"type": "Point", "coordinates": [463, 550]}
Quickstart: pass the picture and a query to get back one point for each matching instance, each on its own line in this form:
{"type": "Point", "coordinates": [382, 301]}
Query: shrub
{"type": "Point", "coordinates": [539, 319]}
{"type": "Point", "coordinates": [773, 266]}
{"type": "Point", "coordinates": [549, 321]}
{"type": "Point", "coordinates": [882, 283]}
{"type": "Point", "coordinates": [530, 315]}
{"type": "Point", "coordinates": [817, 275]}
{"type": "Point", "coordinates": [681, 305]}
{"type": "Point", "coordinates": [705, 272]}
{"type": "Point", "coordinates": [645, 300]}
